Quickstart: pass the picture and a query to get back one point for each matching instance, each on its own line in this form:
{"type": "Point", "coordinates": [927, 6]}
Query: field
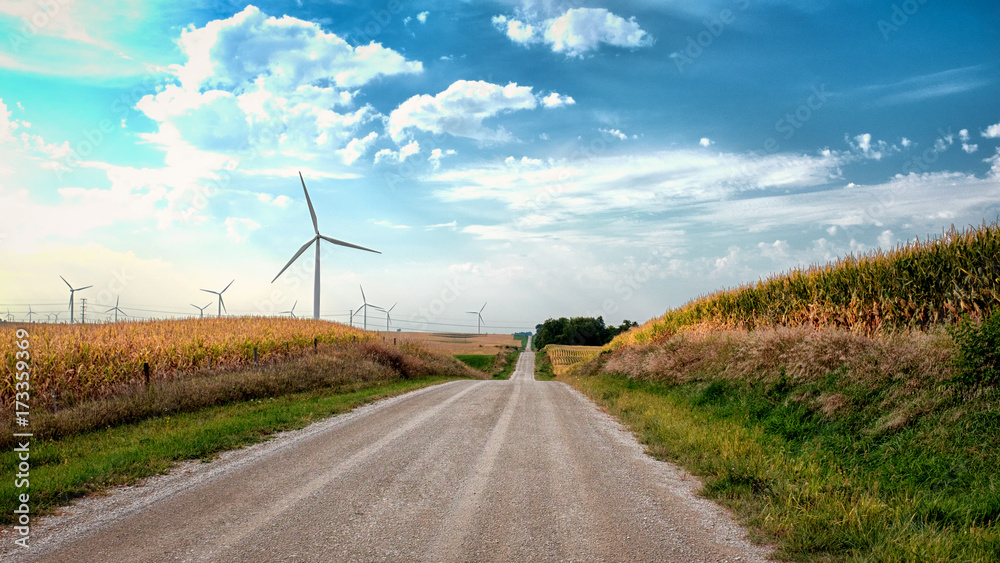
{"type": "Point", "coordinates": [456, 343]}
{"type": "Point", "coordinates": [81, 361]}
{"type": "Point", "coordinates": [916, 286]}
{"type": "Point", "coordinates": [562, 357]}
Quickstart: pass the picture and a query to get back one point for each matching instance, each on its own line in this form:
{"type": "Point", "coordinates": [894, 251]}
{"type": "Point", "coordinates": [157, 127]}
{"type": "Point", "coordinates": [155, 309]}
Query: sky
{"type": "Point", "coordinates": [541, 158]}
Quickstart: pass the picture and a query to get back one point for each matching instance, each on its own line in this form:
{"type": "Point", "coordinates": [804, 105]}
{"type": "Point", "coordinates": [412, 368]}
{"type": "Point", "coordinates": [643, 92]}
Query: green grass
{"type": "Point", "coordinates": [543, 367]}
{"type": "Point", "coordinates": [523, 339]}
{"type": "Point", "coordinates": [482, 362]}
{"type": "Point", "coordinates": [847, 487]}
{"type": "Point", "coordinates": [71, 467]}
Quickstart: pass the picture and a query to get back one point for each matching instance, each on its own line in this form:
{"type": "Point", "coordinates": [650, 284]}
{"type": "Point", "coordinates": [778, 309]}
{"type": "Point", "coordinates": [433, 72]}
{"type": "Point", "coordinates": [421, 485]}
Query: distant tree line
{"type": "Point", "coordinates": [578, 331]}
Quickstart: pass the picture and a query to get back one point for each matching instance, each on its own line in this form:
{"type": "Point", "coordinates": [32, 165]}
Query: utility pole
{"type": "Point", "coordinates": [83, 312]}
{"type": "Point", "coordinates": [352, 317]}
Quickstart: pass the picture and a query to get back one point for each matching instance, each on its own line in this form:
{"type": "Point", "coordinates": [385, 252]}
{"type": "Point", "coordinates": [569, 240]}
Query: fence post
{"type": "Point", "coordinates": [145, 371]}
{"type": "Point", "coordinates": [255, 355]}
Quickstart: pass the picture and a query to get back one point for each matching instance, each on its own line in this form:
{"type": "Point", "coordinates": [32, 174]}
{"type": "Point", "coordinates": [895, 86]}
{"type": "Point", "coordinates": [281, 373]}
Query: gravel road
{"type": "Point", "coordinates": [517, 470]}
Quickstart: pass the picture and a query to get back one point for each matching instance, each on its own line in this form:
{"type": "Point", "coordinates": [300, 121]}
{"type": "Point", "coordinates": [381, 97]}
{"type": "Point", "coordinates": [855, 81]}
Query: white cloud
{"type": "Point", "coordinates": [905, 142]}
{"type": "Point", "coordinates": [616, 133]}
{"type": "Point", "coordinates": [238, 229]}
{"type": "Point", "coordinates": [422, 17]}
{"type": "Point", "coordinates": [874, 150]}
{"type": "Point", "coordinates": [6, 126]}
{"type": "Point", "coordinates": [705, 142]}
{"type": "Point", "coordinates": [461, 109]}
{"type": "Point", "coordinates": [451, 226]}
{"type": "Point", "coordinates": [886, 240]}
{"type": "Point", "coordinates": [777, 251]}
{"type": "Point", "coordinates": [356, 148]}
{"type": "Point", "coordinates": [554, 100]}
{"type": "Point", "coordinates": [270, 90]}
{"type": "Point", "coordinates": [970, 147]}
{"type": "Point", "coordinates": [963, 135]}
{"type": "Point", "coordinates": [992, 132]}
{"type": "Point", "coordinates": [577, 32]}
{"type": "Point", "coordinates": [280, 201]}
{"type": "Point", "coordinates": [437, 155]}
{"type": "Point", "coordinates": [391, 156]}
{"type": "Point", "coordinates": [389, 224]}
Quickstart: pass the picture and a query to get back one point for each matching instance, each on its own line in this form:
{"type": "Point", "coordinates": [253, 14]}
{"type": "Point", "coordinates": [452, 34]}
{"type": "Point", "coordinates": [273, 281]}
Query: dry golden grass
{"type": "Point", "coordinates": [457, 343]}
{"type": "Point", "coordinates": [93, 360]}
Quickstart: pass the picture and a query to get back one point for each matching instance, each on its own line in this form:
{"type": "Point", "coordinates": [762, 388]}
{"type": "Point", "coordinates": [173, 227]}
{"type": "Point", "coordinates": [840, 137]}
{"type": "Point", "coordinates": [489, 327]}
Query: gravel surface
{"type": "Point", "coordinates": [517, 470]}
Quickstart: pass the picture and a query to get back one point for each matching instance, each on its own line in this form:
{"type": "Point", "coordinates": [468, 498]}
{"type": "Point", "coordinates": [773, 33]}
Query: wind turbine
{"type": "Point", "coordinates": [10, 318]}
{"type": "Point", "coordinates": [365, 306]}
{"type": "Point", "coordinates": [201, 310]}
{"type": "Point", "coordinates": [316, 239]}
{"type": "Point", "coordinates": [387, 319]}
{"type": "Point", "coordinates": [30, 312]}
{"type": "Point", "coordinates": [71, 292]}
{"type": "Point", "coordinates": [116, 309]}
{"type": "Point", "coordinates": [291, 311]}
{"type": "Point", "coordinates": [219, 293]}
{"type": "Point", "coordinates": [479, 314]}
{"type": "Point", "coordinates": [56, 315]}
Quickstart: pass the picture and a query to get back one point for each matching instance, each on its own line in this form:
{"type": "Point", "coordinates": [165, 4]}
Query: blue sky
{"type": "Point", "coordinates": [549, 158]}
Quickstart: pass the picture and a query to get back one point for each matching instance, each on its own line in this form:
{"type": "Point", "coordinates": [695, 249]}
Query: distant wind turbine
{"type": "Point", "coordinates": [116, 309]}
{"type": "Point", "coordinates": [222, 305]}
{"type": "Point", "coordinates": [316, 239]}
{"type": "Point", "coordinates": [10, 318]}
{"type": "Point", "coordinates": [30, 312]}
{"type": "Point", "coordinates": [291, 311]}
{"type": "Point", "coordinates": [71, 292]}
{"type": "Point", "coordinates": [387, 318]}
{"type": "Point", "coordinates": [56, 315]}
{"type": "Point", "coordinates": [201, 310]}
{"type": "Point", "coordinates": [365, 305]}
{"type": "Point", "coordinates": [479, 314]}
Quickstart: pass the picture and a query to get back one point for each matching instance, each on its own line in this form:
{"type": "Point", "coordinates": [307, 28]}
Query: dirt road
{"type": "Point", "coordinates": [517, 470]}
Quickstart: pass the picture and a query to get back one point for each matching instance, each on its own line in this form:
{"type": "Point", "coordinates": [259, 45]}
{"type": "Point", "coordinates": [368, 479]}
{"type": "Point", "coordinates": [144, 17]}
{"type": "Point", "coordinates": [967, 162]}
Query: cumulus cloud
{"type": "Point", "coordinates": [280, 201]}
{"type": "Point", "coordinates": [867, 148]}
{"type": "Point", "coordinates": [577, 32]}
{"type": "Point", "coordinates": [705, 142]}
{"type": "Point", "coordinates": [437, 155]}
{"type": "Point", "coordinates": [554, 100]}
{"type": "Point", "coordinates": [281, 87]}
{"type": "Point", "coordinates": [238, 229]}
{"type": "Point", "coordinates": [386, 156]}
{"type": "Point", "coordinates": [461, 109]}
{"type": "Point", "coordinates": [356, 148]}
{"type": "Point", "coordinates": [422, 17]}
{"type": "Point", "coordinates": [992, 132]}
{"type": "Point", "coordinates": [616, 133]}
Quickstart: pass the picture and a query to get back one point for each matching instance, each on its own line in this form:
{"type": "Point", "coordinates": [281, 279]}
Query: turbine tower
{"type": "Point", "coordinates": [316, 239]}
{"type": "Point", "coordinates": [116, 309]}
{"type": "Point", "coordinates": [365, 305]}
{"type": "Point", "coordinates": [479, 322]}
{"type": "Point", "coordinates": [387, 318]}
{"type": "Point", "coordinates": [201, 310]}
{"type": "Point", "coordinates": [291, 311]}
{"type": "Point", "coordinates": [71, 292]}
{"type": "Point", "coordinates": [219, 293]}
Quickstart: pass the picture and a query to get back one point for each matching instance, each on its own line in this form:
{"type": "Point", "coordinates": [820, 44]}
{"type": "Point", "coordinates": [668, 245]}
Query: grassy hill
{"type": "Point", "coordinates": [849, 412]}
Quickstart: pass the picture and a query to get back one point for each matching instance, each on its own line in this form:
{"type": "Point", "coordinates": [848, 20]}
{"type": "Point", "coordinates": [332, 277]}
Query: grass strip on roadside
{"type": "Point", "coordinates": [819, 494]}
{"type": "Point", "coordinates": [78, 465]}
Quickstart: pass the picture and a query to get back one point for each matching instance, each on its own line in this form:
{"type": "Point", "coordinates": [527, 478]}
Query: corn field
{"type": "Point", "coordinates": [913, 286]}
{"type": "Point", "coordinates": [83, 361]}
{"type": "Point", "coordinates": [563, 356]}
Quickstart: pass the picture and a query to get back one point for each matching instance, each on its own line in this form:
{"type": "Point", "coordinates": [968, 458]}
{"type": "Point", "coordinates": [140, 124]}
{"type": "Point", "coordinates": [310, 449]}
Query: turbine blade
{"type": "Point", "coordinates": [393, 307]}
{"type": "Point", "coordinates": [223, 303]}
{"type": "Point", "coordinates": [297, 254]}
{"type": "Point", "coordinates": [363, 298]}
{"type": "Point", "coordinates": [210, 291]}
{"type": "Point", "coordinates": [207, 306]}
{"type": "Point", "coordinates": [66, 282]}
{"type": "Point", "coordinates": [312, 212]}
{"type": "Point", "coordinates": [483, 307]}
{"type": "Point", "coordinates": [234, 279]}
{"type": "Point", "coordinates": [347, 244]}
{"type": "Point", "coordinates": [83, 288]}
